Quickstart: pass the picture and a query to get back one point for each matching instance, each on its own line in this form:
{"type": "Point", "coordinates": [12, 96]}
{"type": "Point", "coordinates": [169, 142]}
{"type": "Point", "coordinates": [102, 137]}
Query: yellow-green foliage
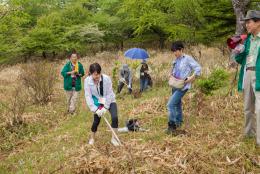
{"type": "Point", "coordinates": [134, 64]}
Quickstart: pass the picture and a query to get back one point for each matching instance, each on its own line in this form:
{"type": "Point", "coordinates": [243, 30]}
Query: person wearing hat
{"type": "Point", "coordinates": [125, 78]}
{"type": "Point", "coordinates": [185, 70]}
{"type": "Point", "coordinates": [249, 78]}
{"type": "Point", "coordinates": [72, 73]}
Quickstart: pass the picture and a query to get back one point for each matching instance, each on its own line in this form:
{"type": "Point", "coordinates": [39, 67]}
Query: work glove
{"type": "Point", "coordinates": [99, 112]}
{"type": "Point", "coordinates": [129, 86]}
{"type": "Point", "coordinates": [122, 80]}
{"type": "Point", "coordinates": [103, 110]}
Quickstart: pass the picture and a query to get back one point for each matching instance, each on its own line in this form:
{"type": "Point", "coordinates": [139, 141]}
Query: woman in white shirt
{"type": "Point", "coordinates": [100, 98]}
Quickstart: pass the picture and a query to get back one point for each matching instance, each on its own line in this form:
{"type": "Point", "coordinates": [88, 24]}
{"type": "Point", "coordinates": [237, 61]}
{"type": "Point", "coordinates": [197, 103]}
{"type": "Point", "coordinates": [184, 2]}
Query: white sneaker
{"type": "Point", "coordinates": [91, 141]}
{"type": "Point", "coordinates": [123, 129]}
{"type": "Point", "coordinates": [114, 141]}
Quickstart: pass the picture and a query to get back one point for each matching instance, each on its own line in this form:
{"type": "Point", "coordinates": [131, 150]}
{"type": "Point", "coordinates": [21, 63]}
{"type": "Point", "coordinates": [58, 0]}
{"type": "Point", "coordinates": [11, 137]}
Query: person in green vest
{"type": "Point", "coordinates": [72, 73]}
{"type": "Point", "coordinates": [248, 55]}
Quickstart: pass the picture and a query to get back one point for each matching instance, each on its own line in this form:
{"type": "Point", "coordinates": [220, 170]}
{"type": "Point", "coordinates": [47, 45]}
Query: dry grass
{"type": "Point", "coordinates": [39, 79]}
{"type": "Point", "coordinates": [214, 143]}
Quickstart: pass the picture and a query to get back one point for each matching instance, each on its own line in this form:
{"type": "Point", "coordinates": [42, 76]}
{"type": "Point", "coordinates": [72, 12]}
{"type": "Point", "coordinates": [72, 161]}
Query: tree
{"type": "Point", "coordinates": [12, 24]}
{"type": "Point", "coordinates": [80, 35]}
{"type": "Point", "coordinates": [40, 41]}
{"type": "Point", "coordinates": [186, 21]}
{"type": "Point", "coordinates": [255, 4]}
{"type": "Point", "coordinates": [148, 19]}
{"type": "Point", "coordinates": [219, 21]}
{"type": "Point", "coordinates": [116, 30]}
{"type": "Point", "coordinates": [30, 27]}
{"type": "Point", "coordinates": [240, 9]}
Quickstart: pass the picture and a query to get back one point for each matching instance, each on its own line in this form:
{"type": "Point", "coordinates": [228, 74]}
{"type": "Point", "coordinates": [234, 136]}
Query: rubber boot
{"type": "Point", "coordinates": [171, 128]}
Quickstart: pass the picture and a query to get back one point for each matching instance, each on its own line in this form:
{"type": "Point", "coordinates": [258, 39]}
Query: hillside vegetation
{"type": "Point", "coordinates": [47, 141]}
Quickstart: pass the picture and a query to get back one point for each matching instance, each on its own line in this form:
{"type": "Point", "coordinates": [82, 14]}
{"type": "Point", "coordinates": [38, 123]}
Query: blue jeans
{"type": "Point", "coordinates": [143, 84]}
{"type": "Point", "coordinates": [174, 106]}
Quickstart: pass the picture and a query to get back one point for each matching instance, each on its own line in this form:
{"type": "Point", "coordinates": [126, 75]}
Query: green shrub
{"type": "Point", "coordinates": [217, 79]}
{"type": "Point", "coordinates": [134, 65]}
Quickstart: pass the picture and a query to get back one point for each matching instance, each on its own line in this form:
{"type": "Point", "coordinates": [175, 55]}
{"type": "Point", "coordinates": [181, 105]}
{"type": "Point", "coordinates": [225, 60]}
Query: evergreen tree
{"type": "Point", "coordinates": [219, 19]}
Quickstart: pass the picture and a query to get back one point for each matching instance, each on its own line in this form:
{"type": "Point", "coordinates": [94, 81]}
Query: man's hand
{"type": "Point", "coordinates": [190, 79]}
{"type": "Point", "coordinates": [239, 49]}
{"type": "Point", "coordinates": [71, 72]}
{"type": "Point", "coordinates": [129, 86]}
{"type": "Point", "coordinates": [232, 64]}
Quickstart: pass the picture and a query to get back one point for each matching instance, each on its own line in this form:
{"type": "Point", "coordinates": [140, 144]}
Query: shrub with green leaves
{"type": "Point", "coordinates": [216, 80]}
{"type": "Point", "coordinates": [134, 65]}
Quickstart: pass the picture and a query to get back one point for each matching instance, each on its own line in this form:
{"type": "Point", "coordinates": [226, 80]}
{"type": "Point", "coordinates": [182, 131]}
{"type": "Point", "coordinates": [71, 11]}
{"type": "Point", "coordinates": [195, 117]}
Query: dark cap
{"type": "Point", "coordinates": [178, 45]}
{"type": "Point", "coordinates": [252, 14]}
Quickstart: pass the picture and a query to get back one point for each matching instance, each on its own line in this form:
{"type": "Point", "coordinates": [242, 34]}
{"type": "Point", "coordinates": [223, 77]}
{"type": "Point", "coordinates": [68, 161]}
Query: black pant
{"type": "Point", "coordinates": [120, 87]}
{"type": "Point", "coordinates": [113, 112]}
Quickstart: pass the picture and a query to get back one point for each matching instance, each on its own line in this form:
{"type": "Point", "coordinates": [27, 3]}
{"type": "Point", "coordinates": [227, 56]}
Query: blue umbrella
{"type": "Point", "coordinates": [136, 53]}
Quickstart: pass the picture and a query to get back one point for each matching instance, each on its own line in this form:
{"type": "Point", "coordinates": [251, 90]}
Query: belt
{"type": "Point", "coordinates": [250, 68]}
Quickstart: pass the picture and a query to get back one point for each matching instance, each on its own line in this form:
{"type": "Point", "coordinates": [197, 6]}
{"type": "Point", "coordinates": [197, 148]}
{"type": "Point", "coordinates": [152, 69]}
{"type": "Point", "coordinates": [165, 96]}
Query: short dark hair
{"type": "Point", "coordinates": [95, 67]}
{"type": "Point", "coordinates": [177, 45]}
{"type": "Point", "coordinates": [255, 19]}
{"type": "Point", "coordinates": [144, 66]}
{"type": "Point", "coordinates": [75, 54]}
{"type": "Point", "coordinates": [73, 51]}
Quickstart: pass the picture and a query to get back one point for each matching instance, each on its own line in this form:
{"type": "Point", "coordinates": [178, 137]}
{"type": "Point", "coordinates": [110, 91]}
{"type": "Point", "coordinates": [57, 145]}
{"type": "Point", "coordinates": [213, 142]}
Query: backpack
{"type": "Point", "coordinates": [132, 125]}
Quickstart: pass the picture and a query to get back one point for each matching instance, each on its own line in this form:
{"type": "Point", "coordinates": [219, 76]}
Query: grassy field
{"type": "Point", "coordinates": [54, 143]}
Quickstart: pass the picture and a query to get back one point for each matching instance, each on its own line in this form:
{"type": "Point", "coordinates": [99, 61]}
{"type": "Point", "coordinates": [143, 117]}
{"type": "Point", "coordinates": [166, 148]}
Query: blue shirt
{"type": "Point", "coordinates": [183, 67]}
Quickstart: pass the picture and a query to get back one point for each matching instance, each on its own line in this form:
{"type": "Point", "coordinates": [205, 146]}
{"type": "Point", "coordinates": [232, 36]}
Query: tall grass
{"type": "Point", "coordinates": [214, 142]}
